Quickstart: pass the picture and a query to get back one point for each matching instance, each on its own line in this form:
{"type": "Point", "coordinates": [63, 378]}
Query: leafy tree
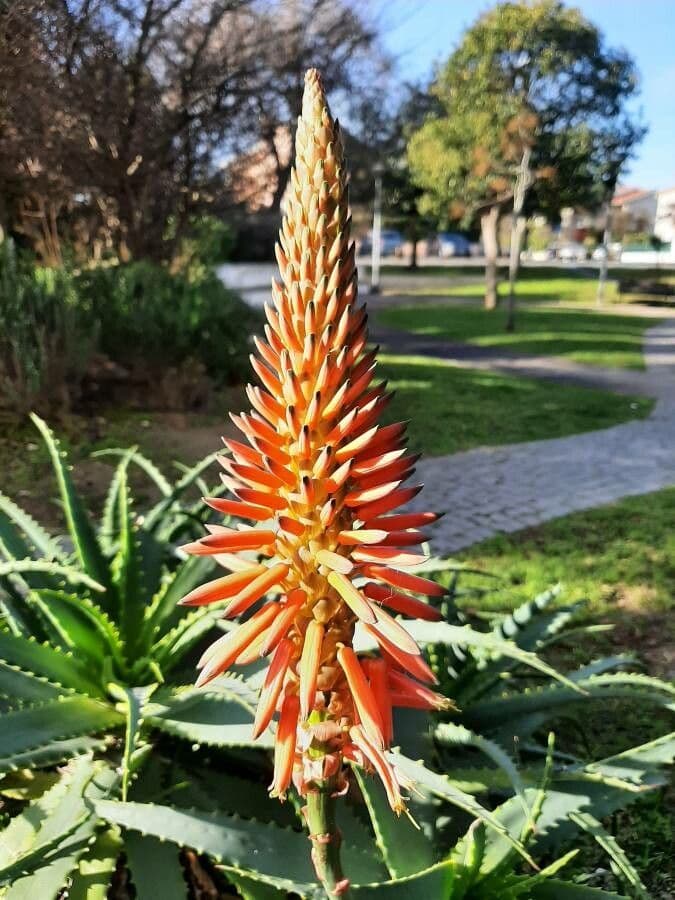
{"type": "Point", "coordinates": [134, 105]}
{"type": "Point", "coordinates": [381, 122]}
{"type": "Point", "coordinates": [402, 194]}
{"type": "Point", "coordinates": [534, 116]}
{"type": "Point", "coordinates": [333, 36]}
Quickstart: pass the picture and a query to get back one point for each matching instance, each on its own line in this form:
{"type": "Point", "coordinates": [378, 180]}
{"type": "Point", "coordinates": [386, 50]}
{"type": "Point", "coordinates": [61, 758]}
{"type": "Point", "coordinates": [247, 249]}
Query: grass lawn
{"type": "Point", "coordinates": [539, 283]}
{"type": "Point", "coordinates": [453, 409]}
{"type": "Point", "coordinates": [621, 559]}
{"type": "Point", "coordinates": [533, 287]}
{"type": "Point", "coordinates": [586, 337]}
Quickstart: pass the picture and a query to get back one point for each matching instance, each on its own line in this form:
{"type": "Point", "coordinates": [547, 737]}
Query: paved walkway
{"type": "Point", "coordinates": [503, 489]}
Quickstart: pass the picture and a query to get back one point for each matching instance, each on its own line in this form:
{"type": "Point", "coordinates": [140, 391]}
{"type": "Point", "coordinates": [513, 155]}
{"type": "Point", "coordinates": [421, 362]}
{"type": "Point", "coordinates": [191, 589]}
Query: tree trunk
{"type": "Point", "coordinates": [413, 252]}
{"type": "Point", "coordinates": [283, 175]}
{"type": "Point", "coordinates": [604, 262]}
{"type": "Point", "coordinates": [4, 217]}
{"type": "Point", "coordinates": [488, 227]}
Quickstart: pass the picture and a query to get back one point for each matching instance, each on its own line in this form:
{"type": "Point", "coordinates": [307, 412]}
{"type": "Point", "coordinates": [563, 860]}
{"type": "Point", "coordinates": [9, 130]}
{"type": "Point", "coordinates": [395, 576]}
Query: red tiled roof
{"type": "Point", "coordinates": [625, 195]}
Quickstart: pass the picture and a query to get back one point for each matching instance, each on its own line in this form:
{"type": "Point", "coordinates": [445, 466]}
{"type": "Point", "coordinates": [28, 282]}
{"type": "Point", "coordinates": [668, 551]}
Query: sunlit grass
{"type": "Point", "coordinates": [620, 558]}
{"type": "Point", "coordinates": [561, 289]}
{"type": "Point", "coordinates": [453, 409]}
{"type": "Point", "coordinates": [586, 337]}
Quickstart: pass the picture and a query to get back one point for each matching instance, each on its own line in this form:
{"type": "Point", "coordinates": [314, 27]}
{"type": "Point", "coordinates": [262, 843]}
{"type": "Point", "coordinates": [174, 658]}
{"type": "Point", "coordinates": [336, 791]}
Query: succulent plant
{"type": "Point", "coordinates": [317, 584]}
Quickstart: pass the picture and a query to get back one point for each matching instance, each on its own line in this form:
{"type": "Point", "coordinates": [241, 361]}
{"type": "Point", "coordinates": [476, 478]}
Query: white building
{"type": "Point", "coordinates": [664, 217]}
{"type": "Point", "coordinates": [636, 207]}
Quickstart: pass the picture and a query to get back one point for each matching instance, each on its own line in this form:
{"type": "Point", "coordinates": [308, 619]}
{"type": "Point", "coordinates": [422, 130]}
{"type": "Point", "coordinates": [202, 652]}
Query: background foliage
{"type": "Point", "coordinates": [66, 335]}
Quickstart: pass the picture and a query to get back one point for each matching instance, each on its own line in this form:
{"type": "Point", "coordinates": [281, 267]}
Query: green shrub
{"type": "Point", "coordinates": [539, 237]}
{"type": "Point", "coordinates": [147, 315]}
{"type": "Point", "coordinates": [209, 241]}
{"type": "Point", "coordinates": [44, 344]}
{"type": "Point", "coordinates": [140, 315]}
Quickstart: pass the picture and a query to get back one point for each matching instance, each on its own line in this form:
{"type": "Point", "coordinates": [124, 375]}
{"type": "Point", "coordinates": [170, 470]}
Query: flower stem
{"type": "Point", "coordinates": [326, 839]}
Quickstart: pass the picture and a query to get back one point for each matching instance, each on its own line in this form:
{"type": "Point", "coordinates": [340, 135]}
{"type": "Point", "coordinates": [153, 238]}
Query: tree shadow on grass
{"type": "Point", "coordinates": [583, 336]}
{"type": "Point", "coordinates": [452, 409]}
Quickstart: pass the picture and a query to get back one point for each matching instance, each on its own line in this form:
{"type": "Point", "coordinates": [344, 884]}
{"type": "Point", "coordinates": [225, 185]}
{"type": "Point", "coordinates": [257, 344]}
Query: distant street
{"type": "Point", "coordinates": [252, 279]}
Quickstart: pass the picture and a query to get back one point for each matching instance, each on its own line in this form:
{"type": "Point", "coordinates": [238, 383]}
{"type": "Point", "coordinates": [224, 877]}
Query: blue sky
{"type": "Point", "coordinates": [421, 33]}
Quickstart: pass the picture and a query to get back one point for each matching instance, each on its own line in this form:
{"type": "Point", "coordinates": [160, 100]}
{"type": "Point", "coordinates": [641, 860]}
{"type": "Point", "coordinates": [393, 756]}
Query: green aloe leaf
{"type": "Point", "coordinates": [465, 636]}
{"type": "Point", "coordinates": [525, 712]}
{"type": "Point", "coordinates": [610, 845]}
{"type": "Point", "coordinates": [84, 628]}
{"type": "Point", "coordinates": [250, 889]}
{"type": "Point", "coordinates": [26, 785]}
{"type": "Point", "coordinates": [274, 855]}
{"type": "Point", "coordinates": [20, 876]}
{"type": "Point", "coordinates": [52, 752]}
{"type": "Point", "coordinates": [25, 730]}
{"type": "Point", "coordinates": [152, 570]}
{"type": "Point", "coordinates": [156, 519]}
{"type": "Point", "coordinates": [156, 871]}
{"type": "Point", "coordinates": [91, 880]}
{"type": "Point", "coordinates": [39, 540]}
{"type": "Point", "coordinates": [527, 625]}
{"type": "Point", "coordinates": [169, 651]}
{"type": "Point", "coordinates": [127, 575]}
{"type": "Point", "coordinates": [213, 791]}
{"type": "Point", "coordinates": [23, 688]}
{"type": "Point", "coordinates": [600, 787]}
{"type": "Point", "coordinates": [110, 519]}
{"type": "Point", "coordinates": [202, 717]}
{"type": "Point", "coordinates": [467, 856]}
{"type": "Point", "coordinates": [441, 787]}
{"type": "Point", "coordinates": [404, 847]}
{"type": "Point", "coordinates": [457, 735]}
{"type": "Point", "coordinates": [63, 573]}
{"type": "Point", "coordinates": [435, 882]}
{"type": "Point", "coordinates": [165, 614]}
{"type": "Point", "coordinates": [151, 470]}
{"type": "Point", "coordinates": [13, 613]}
{"type": "Point", "coordinates": [18, 837]}
{"type": "Point", "coordinates": [80, 528]}
{"type": "Point", "coordinates": [479, 780]}
{"type": "Point", "coordinates": [134, 700]}
{"type": "Point", "coordinates": [62, 837]}
{"type": "Point", "coordinates": [531, 627]}
{"type": "Point", "coordinates": [44, 661]}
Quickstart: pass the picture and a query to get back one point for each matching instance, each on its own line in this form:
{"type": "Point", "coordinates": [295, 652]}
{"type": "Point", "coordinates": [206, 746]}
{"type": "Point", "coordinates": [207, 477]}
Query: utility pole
{"type": "Point", "coordinates": [376, 247]}
{"type": "Point", "coordinates": [604, 262]}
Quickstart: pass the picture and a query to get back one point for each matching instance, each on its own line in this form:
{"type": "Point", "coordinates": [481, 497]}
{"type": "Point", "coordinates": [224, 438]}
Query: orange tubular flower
{"type": "Point", "coordinates": [320, 480]}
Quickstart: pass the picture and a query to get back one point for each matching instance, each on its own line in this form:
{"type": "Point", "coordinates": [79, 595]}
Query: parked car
{"type": "Point", "coordinates": [572, 252]}
{"type": "Point", "coordinates": [449, 243]}
{"type": "Point", "coordinates": [613, 251]}
{"type": "Point", "coordinates": [391, 243]}
{"type": "Point", "coordinates": [538, 255]}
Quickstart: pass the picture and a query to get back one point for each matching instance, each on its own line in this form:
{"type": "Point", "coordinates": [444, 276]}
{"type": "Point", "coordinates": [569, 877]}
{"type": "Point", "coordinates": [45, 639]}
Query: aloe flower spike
{"type": "Point", "coordinates": [326, 478]}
